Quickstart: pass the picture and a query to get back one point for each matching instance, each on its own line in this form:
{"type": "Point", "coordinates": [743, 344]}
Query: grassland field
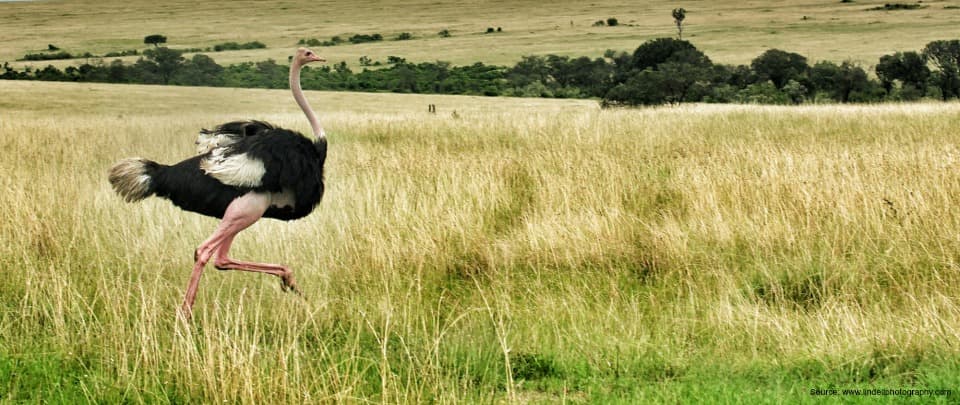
{"type": "Point", "coordinates": [732, 32]}
{"type": "Point", "coordinates": [501, 250]}
{"type": "Point", "coordinates": [521, 251]}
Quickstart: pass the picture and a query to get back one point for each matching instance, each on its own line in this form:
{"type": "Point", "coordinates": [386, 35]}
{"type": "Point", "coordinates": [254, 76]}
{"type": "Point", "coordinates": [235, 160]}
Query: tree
{"type": "Point", "coordinates": [780, 67]}
{"type": "Point", "coordinates": [201, 70]}
{"type": "Point", "coordinates": [678, 15]}
{"type": "Point", "coordinates": [161, 64]}
{"type": "Point", "coordinates": [910, 68]}
{"type": "Point", "coordinates": [117, 72]}
{"type": "Point", "coordinates": [405, 80]}
{"type": "Point", "coordinates": [946, 56]}
{"type": "Point", "coordinates": [435, 75]}
{"type": "Point", "coordinates": [659, 50]}
{"type": "Point", "coordinates": [947, 82]}
{"type": "Point", "coordinates": [663, 70]}
{"type": "Point", "coordinates": [845, 82]}
{"type": "Point", "coordinates": [155, 40]}
{"type": "Point", "coordinates": [530, 69]}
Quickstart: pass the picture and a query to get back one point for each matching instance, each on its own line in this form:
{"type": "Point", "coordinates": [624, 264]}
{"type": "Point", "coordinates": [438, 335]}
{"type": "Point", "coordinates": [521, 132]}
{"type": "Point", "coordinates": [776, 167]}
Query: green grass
{"type": "Point", "coordinates": [733, 32]}
{"type": "Point", "coordinates": [522, 251]}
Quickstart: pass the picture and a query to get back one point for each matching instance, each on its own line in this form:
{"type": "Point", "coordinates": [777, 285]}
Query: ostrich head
{"type": "Point", "coordinates": [305, 56]}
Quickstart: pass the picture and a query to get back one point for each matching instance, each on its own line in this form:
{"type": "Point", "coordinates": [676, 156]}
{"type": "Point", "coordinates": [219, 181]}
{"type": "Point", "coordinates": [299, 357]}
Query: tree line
{"type": "Point", "coordinates": [662, 70]}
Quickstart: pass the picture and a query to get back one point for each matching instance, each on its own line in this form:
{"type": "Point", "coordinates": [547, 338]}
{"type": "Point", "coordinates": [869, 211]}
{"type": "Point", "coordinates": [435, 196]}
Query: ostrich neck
{"type": "Point", "coordinates": [295, 68]}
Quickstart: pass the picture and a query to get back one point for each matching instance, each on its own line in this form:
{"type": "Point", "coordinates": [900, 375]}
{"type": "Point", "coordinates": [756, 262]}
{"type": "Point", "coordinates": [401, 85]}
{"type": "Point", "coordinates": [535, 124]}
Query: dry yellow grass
{"type": "Point", "coordinates": [517, 252]}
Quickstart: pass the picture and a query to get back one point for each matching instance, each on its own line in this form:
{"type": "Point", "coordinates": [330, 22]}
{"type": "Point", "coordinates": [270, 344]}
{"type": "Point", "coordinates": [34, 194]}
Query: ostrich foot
{"type": "Point", "coordinates": [287, 283]}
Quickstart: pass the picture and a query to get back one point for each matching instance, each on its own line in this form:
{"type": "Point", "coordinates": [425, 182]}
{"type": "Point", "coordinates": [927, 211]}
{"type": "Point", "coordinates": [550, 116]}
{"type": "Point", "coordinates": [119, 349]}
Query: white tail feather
{"type": "Point", "coordinates": [130, 179]}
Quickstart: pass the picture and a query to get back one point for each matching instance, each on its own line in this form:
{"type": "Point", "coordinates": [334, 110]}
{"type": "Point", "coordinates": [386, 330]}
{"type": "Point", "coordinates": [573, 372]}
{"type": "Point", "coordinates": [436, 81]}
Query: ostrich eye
{"type": "Point", "coordinates": [309, 53]}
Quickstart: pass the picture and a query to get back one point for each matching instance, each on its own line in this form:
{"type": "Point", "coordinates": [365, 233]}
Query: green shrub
{"type": "Point", "coordinates": [233, 46]}
{"type": "Point", "coordinates": [47, 56]}
{"type": "Point", "coordinates": [362, 38]}
{"type": "Point", "coordinates": [897, 6]}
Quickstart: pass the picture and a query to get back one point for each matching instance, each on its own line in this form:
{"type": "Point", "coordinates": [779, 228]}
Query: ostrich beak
{"type": "Point", "coordinates": [309, 56]}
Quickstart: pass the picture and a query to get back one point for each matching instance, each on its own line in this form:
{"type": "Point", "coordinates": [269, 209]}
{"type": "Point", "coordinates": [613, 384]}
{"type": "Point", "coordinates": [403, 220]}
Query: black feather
{"type": "Point", "coordinates": [291, 161]}
{"type": "Point", "coordinates": [189, 188]}
{"type": "Point", "coordinates": [240, 128]}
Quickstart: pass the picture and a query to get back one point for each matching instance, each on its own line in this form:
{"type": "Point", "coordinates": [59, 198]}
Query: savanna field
{"type": "Point", "coordinates": [500, 250]}
{"type": "Point", "coordinates": [520, 250]}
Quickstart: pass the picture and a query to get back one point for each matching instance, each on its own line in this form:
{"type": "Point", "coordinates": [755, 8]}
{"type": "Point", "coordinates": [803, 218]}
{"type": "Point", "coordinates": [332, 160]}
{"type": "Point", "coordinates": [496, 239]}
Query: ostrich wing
{"type": "Point", "coordinates": [275, 160]}
{"type": "Point", "coordinates": [228, 134]}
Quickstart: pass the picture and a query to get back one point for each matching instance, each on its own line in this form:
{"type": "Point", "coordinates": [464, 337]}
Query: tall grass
{"type": "Point", "coordinates": [538, 255]}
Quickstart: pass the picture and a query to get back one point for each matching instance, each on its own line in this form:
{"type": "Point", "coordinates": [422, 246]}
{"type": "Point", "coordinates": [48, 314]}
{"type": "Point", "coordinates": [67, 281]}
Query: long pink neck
{"type": "Point", "coordinates": [302, 101]}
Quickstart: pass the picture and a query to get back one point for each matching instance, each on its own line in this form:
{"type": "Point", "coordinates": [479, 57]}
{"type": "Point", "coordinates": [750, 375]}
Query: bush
{"type": "Point", "coordinates": [362, 38]}
{"type": "Point", "coordinates": [612, 22]}
{"type": "Point", "coordinates": [404, 36]}
{"type": "Point", "coordinates": [444, 33]}
{"type": "Point", "coordinates": [47, 56]}
{"type": "Point", "coordinates": [897, 6]}
{"type": "Point", "coordinates": [762, 93]}
{"type": "Point", "coordinates": [131, 52]}
{"type": "Point", "coordinates": [534, 89]}
{"type": "Point", "coordinates": [334, 41]}
{"type": "Point", "coordinates": [723, 93]}
{"type": "Point", "coordinates": [233, 46]}
{"type": "Point", "coordinates": [906, 92]}
{"type": "Point", "coordinates": [795, 91]}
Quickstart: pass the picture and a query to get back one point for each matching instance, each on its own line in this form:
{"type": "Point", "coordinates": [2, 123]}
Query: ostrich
{"type": "Point", "coordinates": [244, 170]}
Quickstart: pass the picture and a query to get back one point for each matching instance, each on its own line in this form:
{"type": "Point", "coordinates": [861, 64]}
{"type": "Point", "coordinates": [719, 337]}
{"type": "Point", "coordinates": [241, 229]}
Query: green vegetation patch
{"type": "Point", "coordinates": [898, 7]}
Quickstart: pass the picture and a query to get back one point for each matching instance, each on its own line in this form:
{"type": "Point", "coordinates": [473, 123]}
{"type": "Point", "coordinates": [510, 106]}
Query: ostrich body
{"type": "Point", "coordinates": [245, 170]}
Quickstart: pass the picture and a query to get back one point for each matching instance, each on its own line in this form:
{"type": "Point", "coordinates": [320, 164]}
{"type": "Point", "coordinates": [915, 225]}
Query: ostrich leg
{"type": "Point", "coordinates": [240, 214]}
{"type": "Point", "coordinates": [223, 262]}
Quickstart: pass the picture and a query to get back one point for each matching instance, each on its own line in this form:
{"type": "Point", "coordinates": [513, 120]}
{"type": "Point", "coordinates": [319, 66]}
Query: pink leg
{"type": "Point", "coordinates": [240, 214]}
{"type": "Point", "coordinates": [223, 262]}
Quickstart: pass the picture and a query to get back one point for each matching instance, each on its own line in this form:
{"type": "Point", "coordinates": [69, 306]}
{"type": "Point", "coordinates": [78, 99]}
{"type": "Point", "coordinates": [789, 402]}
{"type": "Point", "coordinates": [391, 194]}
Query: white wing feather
{"type": "Point", "coordinates": [208, 141]}
{"type": "Point", "coordinates": [237, 170]}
